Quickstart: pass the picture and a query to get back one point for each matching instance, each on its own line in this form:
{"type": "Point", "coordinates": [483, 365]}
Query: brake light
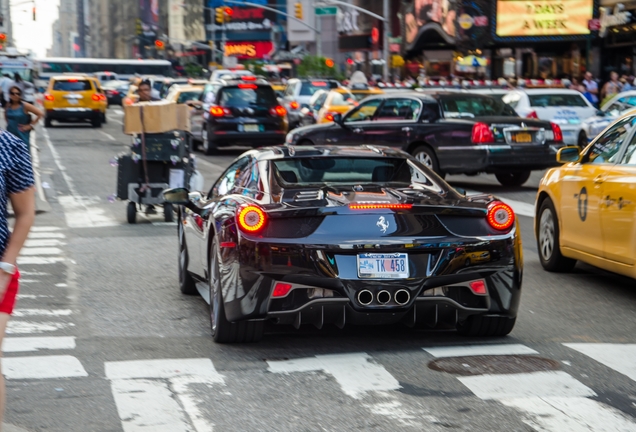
{"type": "Point", "coordinates": [72, 80]}
{"type": "Point", "coordinates": [556, 131]}
{"type": "Point", "coordinates": [374, 206]}
{"type": "Point", "coordinates": [532, 114]}
{"type": "Point", "coordinates": [49, 97]}
{"type": "Point", "coordinates": [96, 97]}
{"type": "Point", "coordinates": [319, 84]}
{"type": "Point", "coordinates": [217, 111]}
{"type": "Point", "coordinates": [281, 289]}
{"type": "Point", "coordinates": [500, 216]}
{"type": "Point", "coordinates": [248, 78]}
{"type": "Point", "coordinates": [278, 110]}
{"type": "Point", "coordinates": [482, 134]}
{"type": "Point", "coordinates": [251, 219]}
{"type": "Point", "coordinates": [294, 105]}
{"type": "Point", "coordinates": [329, 116]}
{"type": "Point", "coordinates": [478, 287]}
{"type": "Point", "coordinates": [248, 86]}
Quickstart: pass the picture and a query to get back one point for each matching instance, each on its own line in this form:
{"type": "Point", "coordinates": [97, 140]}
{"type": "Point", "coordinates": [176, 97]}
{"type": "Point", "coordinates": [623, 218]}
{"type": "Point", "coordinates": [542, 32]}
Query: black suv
{"type": "Point", "coordinates": [243, 112]}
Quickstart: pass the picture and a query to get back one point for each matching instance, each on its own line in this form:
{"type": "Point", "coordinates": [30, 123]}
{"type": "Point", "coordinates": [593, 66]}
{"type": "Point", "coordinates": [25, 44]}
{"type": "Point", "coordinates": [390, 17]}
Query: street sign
{"type": "Point", "coordinates": [327, 10]}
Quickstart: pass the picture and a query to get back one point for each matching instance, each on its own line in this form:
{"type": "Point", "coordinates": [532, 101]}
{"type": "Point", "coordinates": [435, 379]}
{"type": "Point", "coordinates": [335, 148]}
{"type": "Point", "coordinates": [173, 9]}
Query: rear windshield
{"type": "Point", "coordinates": [249, 95]}
{"type": "Point", "coordinates": [343, 99]}
{"type": "Point", "coordinates": [475, 106]}
{"type": "Point", "coordinates": [76, 85]}
{"type": "Point", "coordinates": [308, 88]}
{"type": "Point", "coordinates": [557, 100]}
{"type": "Point", "coordinates": [351, 170]}
{"type": "Point", "coordinates": [187, 96]}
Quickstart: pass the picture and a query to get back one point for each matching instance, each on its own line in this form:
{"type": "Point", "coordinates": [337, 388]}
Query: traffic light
{"type": "Point", "coordinates": [227, 13]}
{"type": "Point", "coordinates": [33, 13]}
{"type": "Point", "coordinates": [3, 37]}
{"type": "Point", "coordinates": [219, 14]}
{"type": "Point", "coordinates": [159, 44]}
{"type": "Point", "coordinates": [329, 63]}
{"type": "Point", "coordinates": [298, 10]}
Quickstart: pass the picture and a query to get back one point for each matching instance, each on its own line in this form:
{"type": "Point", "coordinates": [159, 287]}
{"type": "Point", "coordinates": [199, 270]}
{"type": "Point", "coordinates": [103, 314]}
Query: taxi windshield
{"type": "Point", "coordinates": [72, 85]}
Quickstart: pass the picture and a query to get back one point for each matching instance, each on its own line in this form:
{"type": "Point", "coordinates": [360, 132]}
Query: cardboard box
{"type": "Point", "coordinates": [158, 117]}
{"type": "Point", "coordinates": [183, 117]}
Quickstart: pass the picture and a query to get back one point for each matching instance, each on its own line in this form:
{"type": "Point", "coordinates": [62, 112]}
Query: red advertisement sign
{"type": "Point", "coordinates": [244, 50]}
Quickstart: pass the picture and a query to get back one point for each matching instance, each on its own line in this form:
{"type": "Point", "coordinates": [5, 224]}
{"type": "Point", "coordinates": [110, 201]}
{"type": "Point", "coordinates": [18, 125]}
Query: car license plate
{"type": "Point", "coordinates": [523, 137]}
{"type": "Point", "coordinates": [251, 128]}
{"type": "Point", "coordinates": [73, 101]}
{"type": "Point", "coordinates": [383, 266]}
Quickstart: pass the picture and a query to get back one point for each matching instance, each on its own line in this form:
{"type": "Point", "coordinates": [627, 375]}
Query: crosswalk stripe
{"type": "Point", "coordinates": [37, 260]}
{"type": "Point", "coordinates": [26, 344]}
{"type": "Point", "coordinates": [46, 242]}
{"type": "Point", "coordinates": [480, 350]}
{"type": "Point", "coordinates": [46, 235]}
{"type": "Point", "coordinates": [42, 312]}
{"type": "Point", "coordinates": [28, 327]}
{"type": "Point", "coordinates": [84, 215]}
{"type": "Point", "coordinates": [42, 367]}
{"type": "Point", "coordinates": [44, 228]}
{"type": "Point", "coordinates": [38, 251]}
{"type": "Point", "coordinates": [620, 357]}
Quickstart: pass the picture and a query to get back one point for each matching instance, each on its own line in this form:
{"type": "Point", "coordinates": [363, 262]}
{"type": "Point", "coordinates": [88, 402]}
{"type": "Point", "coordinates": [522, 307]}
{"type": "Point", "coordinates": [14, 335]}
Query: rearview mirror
{"type": "Point", "coordinates": [568, 154]}
{"type": "Point", "coordinates": [177, 196]}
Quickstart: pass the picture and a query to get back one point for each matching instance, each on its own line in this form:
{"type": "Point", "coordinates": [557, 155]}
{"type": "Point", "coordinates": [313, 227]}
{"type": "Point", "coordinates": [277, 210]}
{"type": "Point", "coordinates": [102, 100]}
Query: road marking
{"type": "Point", "coordinates": [118, 112]}
{"type": "Point", "coordinates": [32, 296]}
{"type": "Point", "coordinates": [44, 229]}
{"type": "Point", "coordinates": [480, 350]}
{"type": "Point", "coordinates": [620, 357]}
{"type": "Point", "coordinates": [45, 235]}
{"type": "Point", "coordinates": [37, 251]}
{"type": "Point", "coordinates": [146, 402]}
{"type": "Point", "coordinates": [116, 121]}
{"type": "Point", "coordinates": [28, 327]}
{"type": "Point", "coordinates": [31, 243]}
{"type": "Point", "coordinates": [42, 367]}
{"type": "Point", "coordinates": [109, 136]}
{"type": "Point", "coordinates": [42, 312]}
{"type": "Point", "coordinates": [26, 344]}
{"type": "Point", "coordinates": [535, 384]}
{"type": "Point", "coordinates": [355, 372]}
{"type": "Point", "coordinates": [38, 260]}
{"type": "Point", "coordinates": [572, 415]}
{"type": "Point", "coordinates": [82, 213]}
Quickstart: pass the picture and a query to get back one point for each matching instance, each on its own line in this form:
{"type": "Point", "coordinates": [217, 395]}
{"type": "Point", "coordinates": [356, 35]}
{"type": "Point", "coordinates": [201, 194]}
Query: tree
{"type": "Point", "coordinates": [314, 66]}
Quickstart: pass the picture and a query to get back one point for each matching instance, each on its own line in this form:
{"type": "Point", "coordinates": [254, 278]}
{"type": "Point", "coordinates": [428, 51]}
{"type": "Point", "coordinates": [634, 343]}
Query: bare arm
{"type": "Point", "coordinates": [31, 109]}
{"type": "Point", "coordinates": [23, 204]}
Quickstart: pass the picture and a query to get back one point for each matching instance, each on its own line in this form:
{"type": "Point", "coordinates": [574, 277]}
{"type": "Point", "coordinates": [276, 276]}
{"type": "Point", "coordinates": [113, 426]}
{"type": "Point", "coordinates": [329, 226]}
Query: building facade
{"type": "Point", "coordinates": [65, 35]}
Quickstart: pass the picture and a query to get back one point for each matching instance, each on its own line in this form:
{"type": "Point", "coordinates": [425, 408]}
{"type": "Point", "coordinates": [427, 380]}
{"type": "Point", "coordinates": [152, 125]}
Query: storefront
{"type": "Point", "coordinates": [618, 37]}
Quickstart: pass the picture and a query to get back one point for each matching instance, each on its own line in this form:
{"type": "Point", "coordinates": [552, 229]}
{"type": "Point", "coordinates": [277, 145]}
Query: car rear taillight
{"type": "Point", "coordinates": [294, 105]}
{"type": "Point", "coordinates": [500, 216]}
{"type": "Point", "coordinates": [532, 114]}
{"type": "Point", "coordinates": [278, 110]}
{"type": "Point", "coordinates": [248, 86]}
{"type": "Point", "coordinates": [251, 219]}
{"type": "Point", "coordinates": [478, 287]}
{"type": "Point", "coordinates": [556, 132]}
{"type": "Point", "coordinates": [482, 134]}
{"type": "Point", "coordinates": [218, 111]}
{"type": "Point", "coordinates": [49, 97]}
{"type": "Point", "coordinates": [374, 206]}
{"type": "Point", "coordinates": [248, 78]}
{"type": "Point", "coordinates": [281, 289]}
{"type": "Point", "coordinates": [329, 116]}
{"type": "Point", "coordinates": [96, 97]}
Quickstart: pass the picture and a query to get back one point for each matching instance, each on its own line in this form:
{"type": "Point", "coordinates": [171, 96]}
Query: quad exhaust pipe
{"type": "Point", "coordinates": [365, 297]}
{"type": "Point", "coordinates": [383, 297]}
{"type": "Point", "coordinates": [402, 297]}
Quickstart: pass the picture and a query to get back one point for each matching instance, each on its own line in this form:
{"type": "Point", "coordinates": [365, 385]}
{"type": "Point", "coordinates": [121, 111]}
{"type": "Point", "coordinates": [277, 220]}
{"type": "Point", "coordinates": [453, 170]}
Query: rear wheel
{"type": "Point", "coordinates": [131, 212]}
{"type": "Point", "coordinates": [478, 325]}
{"type": "Point", "coordinates": [516, 178]}
{"type": "Point", "coordinates": [48, 122]}
{"type": "Point", "coordinates": [548, 240]}
{"type": "Point", "coordinates": [224, 331]}
{"type": "Point", "coordinates": [426, 156]}
{"type": "Point", "coordinates": [186, 283]}
{"type": "Point", "coordinates": [207, 146]}
{"type": "Point", "coordinates": [97, 121]}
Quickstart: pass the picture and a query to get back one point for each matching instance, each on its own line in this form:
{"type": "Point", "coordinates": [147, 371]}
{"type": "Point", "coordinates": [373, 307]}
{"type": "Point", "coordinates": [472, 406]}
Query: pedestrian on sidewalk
{"type": "Point", "coordinates": [591, 88]}
{"type": "Point", "coordinates": [17, 113]}
{"type": "Point", "coordinates": [611, 88]}
{"type": "Point", "coordinates": [16, 185]}
{"type": "Point", "coordinates": [5, 83]}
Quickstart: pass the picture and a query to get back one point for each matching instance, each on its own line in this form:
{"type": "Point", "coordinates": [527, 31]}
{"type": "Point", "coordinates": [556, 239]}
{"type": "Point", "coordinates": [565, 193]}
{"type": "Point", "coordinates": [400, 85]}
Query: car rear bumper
{"type": "Point", "coordinates": [250, 139]}
{"type": "Point", "coordinates": [71, 113]}
{"type": "Point", "coordinates": [496, 158]}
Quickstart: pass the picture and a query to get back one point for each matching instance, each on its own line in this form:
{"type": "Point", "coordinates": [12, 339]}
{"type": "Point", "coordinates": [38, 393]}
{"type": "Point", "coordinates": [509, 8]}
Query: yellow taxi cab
{"type": "Point", "coordinates": [75, 98]}
{"type": "Point", "coordinates": [586, 209]}
{"type": "Point", "coordinates": [338, 101]}
{"type": "Point", "coordinates": [361, 91]}
{"type": "Point", "coordinates": [182, 94]}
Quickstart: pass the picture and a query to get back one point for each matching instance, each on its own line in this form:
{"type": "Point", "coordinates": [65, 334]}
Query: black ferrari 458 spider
{"type": "Point", "coordinates": [356, 235]}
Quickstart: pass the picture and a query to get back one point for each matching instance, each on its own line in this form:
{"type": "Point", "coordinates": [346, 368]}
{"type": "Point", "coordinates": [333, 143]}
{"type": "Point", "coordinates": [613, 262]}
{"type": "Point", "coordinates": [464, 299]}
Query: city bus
{"type": "Point", "coordinates": [124, 68]}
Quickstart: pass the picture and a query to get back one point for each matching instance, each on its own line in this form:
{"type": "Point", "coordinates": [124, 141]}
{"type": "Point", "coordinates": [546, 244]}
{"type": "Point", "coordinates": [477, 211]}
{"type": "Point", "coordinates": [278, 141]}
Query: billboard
{"type": "Point", "coordinates": [543, 18]}
{"type": "Point", "coordinates": [149, 15]}
{"type": "Point", "coordinates": [427, 11]}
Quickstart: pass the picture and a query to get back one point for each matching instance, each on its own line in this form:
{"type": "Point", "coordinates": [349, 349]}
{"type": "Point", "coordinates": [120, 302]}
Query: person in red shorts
{"type": "Point", "coordinates": [16, 185]}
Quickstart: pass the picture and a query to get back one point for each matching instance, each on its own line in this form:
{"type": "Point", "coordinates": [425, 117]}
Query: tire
{"type": "Point", "coordinates": [48, 122]}
{"type": "Point", "coordinates": [168, 212]}
{"type": "Point", "coordinates": [224, 331]}
{"type": "Point", "coordinates": [516, 178]}
{"type": "Point", "coordinates": [582, 141]}
{"type": "Point", "coordinates": [479, 325]}
{"type": "Point", "coordinates": [187, 285]}
{"type": "Point", "coordinates": [426, 156]}
{"type": "Point", "coordinates": [131, 212]}
{"type": "Point", "coordinates": [548, 243]}
{"type": "Point", "coordinates": [96, 122]}
{"type": "Point", "coordinates": [208, 147]}
{"type": "Point", "coordinates": [104, 119]}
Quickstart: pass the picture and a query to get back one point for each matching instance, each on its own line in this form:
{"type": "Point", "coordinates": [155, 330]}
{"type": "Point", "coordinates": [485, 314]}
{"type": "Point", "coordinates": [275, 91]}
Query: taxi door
{"type": "Point", "coordinates": [618, 208]}
{"type": "Point", "coordinates": [583, 191]}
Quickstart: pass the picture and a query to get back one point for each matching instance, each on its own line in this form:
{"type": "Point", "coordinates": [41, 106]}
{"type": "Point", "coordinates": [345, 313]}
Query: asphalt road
{"type": "Point", "coordinates": [102, 340]}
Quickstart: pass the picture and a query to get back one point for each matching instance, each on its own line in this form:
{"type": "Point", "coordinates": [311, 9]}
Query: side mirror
{"type": "Point", "coordinates": [337, 118]}
{"type": "Point", "coordinates": [178, 196]}
{"type": "Point", "coordinates": [600, 113]}
{"type": "Point", "coordinates": [568, 154]}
